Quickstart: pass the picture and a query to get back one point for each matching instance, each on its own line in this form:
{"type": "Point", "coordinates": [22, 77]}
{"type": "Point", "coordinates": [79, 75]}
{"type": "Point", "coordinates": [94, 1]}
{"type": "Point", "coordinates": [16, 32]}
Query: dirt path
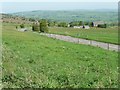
{"type": "Point", "coordinates": [103, 45]}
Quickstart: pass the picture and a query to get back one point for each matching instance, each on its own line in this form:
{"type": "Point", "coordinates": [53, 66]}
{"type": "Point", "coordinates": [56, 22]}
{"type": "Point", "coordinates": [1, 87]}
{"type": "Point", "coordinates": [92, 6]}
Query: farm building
{"type": "Point", "coordinates": [86, 27]}
{"type": "Point", "coordinates": [22, 29]}
{"type": "Point", "coordinates": [78, 27]}
{"type": "Point", "coordinates": [68, 25]}
{"type": "Point", "coordinates": [95, 24]}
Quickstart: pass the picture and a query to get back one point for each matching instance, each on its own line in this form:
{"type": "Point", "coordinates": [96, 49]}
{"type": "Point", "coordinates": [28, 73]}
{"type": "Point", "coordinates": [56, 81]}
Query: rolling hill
{"type": "Point", "coordinates": [72, 15]}
{"type": "Point", "coordinates": [8, 18]}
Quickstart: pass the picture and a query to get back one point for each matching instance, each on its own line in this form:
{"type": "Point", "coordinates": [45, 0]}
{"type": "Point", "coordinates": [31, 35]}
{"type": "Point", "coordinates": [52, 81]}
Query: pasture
{"type": "Point", "coordinates": [31, 60]}
{"type": "Point", "coordinates": [109, 35]}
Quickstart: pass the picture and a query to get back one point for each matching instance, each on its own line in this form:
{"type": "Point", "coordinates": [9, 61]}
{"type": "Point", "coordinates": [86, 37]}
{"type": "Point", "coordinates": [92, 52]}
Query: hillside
{"type": "Point", "coordinates": [8, 18]}
{"type": "Point", "coordinates": [68, 16]}
{"type": "Point", "coordinates": [33, 61]}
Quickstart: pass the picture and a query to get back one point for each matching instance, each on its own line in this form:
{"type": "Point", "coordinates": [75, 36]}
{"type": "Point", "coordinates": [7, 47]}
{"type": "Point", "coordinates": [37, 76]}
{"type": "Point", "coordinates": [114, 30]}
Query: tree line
{"type": "Point", "coordinates": [43, 24]}
{"type": "Point", "coordinates": [75, 23]}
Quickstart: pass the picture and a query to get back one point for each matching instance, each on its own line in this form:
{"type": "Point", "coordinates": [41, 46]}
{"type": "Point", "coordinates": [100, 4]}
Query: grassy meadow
{"type": "Point", "coordinates": [109, 34]}
{"type": "Point", "coordinates": [31, 60]}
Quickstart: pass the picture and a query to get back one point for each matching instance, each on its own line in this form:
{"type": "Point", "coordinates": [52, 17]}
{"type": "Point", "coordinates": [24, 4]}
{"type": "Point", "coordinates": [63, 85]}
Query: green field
{"type": "Point", "coordinates": [31, 60]}
{"type": "Point", "coordinates": [109, 35]}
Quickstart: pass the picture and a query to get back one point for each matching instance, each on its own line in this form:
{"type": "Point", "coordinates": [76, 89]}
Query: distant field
{"type": "Point", "coordinates": [99, 34]}
{"type": "Point", "coordinates": [31, 60]}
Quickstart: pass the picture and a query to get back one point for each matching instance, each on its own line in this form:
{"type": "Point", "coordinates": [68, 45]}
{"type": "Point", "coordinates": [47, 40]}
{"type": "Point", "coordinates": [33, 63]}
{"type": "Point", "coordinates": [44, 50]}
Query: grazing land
{"type": "Point", "coordinates": [32, 60]}
{"type": "Point", "coordinates": [109, 35]}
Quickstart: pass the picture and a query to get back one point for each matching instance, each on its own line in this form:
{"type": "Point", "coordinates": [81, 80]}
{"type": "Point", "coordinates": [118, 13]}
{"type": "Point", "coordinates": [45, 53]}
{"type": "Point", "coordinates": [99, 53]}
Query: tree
{"type": "Point", "coordinates": [80, 23]}
{"type": "Point", "coordinates": [91, 24]}
{"type": "Point", "coordinates": [102, 25]}
{"type": "Point", "coordinates": [43, 25]}
{"type": "Point", "coordinates": [62, 24]}
{"type": "Point", "coordinates": [55, 23]}
{"type": "Point", "coordinates": [75, 23]}
{"type": "Point", "coordinates": [35, 27]}
{"type": "Point", "coordinates": [86, 23]}
{"type": "Point", "coordinates": [31, 19]}
{"type": "Point", "coordinates": [16, 27]}
{"type": "Point", "coordinates": [51, 24]}
{"type": "Point", "coordinates": [22, 26]}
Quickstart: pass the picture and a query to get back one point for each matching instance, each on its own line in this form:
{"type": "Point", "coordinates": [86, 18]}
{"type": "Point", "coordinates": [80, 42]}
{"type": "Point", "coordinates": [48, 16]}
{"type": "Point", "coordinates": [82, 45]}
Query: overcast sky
{"type": "Point", "coordinates": [11, 7]}
{"type": "Point", "coordinates": [59, 0]}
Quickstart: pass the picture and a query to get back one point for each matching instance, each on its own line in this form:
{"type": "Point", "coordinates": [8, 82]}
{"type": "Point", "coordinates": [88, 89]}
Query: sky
{"type": "Point", "coordinates": [59, 0]}
{"type": "Point", "coordinates": [12, 6]}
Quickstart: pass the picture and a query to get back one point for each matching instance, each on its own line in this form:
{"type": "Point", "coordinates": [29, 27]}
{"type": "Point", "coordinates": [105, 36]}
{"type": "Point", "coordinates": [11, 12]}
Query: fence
{"type": "Point", "coordinates": [107, 46]}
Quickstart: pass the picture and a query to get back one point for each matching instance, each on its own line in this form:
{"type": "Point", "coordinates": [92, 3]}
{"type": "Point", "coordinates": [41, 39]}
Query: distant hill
{"type": "Point", "coordinates": [73, 15]}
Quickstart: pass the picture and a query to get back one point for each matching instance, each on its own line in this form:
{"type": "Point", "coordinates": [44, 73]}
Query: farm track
{"type": "Point", "coordinates": [103, 45]}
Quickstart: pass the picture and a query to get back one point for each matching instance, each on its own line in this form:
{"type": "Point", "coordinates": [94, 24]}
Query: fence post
{"type": "Point", "coordinates": [108, 46]}
{"type": "Point", "coordinates": [55, 36]}
{"type": "Point", "coordinates": [90, 42]}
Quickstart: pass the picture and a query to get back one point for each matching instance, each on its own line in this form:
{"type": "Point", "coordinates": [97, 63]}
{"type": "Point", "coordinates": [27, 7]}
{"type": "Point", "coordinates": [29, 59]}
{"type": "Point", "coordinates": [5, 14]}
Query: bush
{"type": "Point", "coordinates": [80, 23]}
{"type": "Point", "coordinates": [51, 24]}
{"type": "Point", "coordinates": [16, 27]}
{"type": "Point", "coordinates": [75, 23]}
{"type": "Point", "coordinates": [91, 24]}
{"type": "Point", "coordinates": [102, 25]}
{"type": "Point", "coordinates": [22, 26]}
{"type": "Point", "coordinates": [86, 23]}
{"type": "Point", "coordinates": [62, 24]}
{"type": "Point", "coordinates": [31, 19]}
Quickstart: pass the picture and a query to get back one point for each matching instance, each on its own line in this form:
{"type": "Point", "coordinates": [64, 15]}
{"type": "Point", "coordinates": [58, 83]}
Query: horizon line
{"type": "Point", "coordinates": [102, 9]}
